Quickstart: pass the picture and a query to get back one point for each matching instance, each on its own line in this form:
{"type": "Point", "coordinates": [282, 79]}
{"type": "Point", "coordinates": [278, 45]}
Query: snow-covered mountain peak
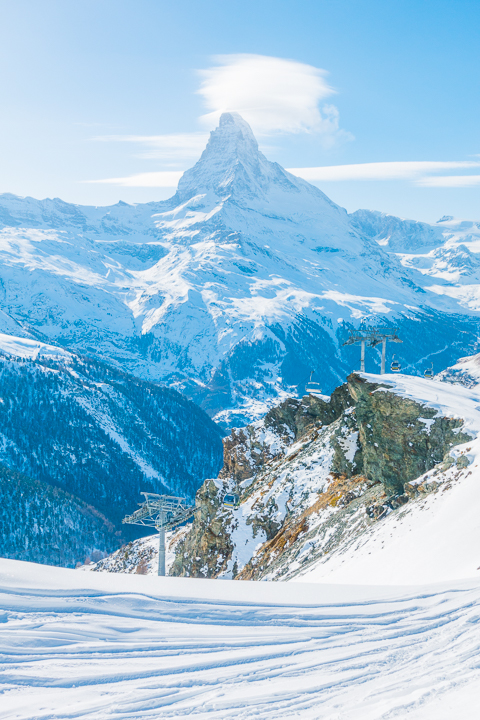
{"type": "Point", "coordinates": [240, 284]}
{"type": "Point", "coordinates": [233, 127]}
{"type": "Point", "coordinates": [232, 165]}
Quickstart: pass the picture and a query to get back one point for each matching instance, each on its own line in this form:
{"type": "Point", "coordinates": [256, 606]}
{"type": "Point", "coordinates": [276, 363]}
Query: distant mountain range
{"type": "Point", "coordinates": [238, 286]}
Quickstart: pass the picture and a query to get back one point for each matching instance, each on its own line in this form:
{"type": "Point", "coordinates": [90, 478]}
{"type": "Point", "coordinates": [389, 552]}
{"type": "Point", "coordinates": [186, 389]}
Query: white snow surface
{"type": "Point", "coordinates": [465, 372]}
{"type": "Point", "coordinates": [32, 349]}
{"type": "Point", "coordinates": [97, 646]}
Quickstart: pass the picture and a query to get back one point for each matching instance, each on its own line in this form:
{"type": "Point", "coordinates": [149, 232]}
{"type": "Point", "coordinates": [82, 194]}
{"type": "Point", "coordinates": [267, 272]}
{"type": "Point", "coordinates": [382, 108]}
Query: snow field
{"type": "Point", "coordinates": [93, 645]}
{"type": "Point", "coordinates": [31, 349]}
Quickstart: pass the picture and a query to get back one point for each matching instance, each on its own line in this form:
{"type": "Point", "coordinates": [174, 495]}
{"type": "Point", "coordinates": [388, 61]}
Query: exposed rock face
{"type": "Point", "coordinates": [337, 514]}
{"type": "Point", "coordinates": [400, 438]}
{"type": "Point", "coordinates": [311, 476]}
{"type": "Point", "coordinates": [248, 449]}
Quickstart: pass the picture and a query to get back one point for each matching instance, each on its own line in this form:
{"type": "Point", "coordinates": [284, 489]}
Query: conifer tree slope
{"type": "Point", "coordinates": [100, 434]}
{"type": "Point", "coordinates": [41, 523]}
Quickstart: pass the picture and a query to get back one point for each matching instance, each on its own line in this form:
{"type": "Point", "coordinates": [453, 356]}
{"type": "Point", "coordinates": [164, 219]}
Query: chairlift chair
{"type": "Point", "coordinates": [429, 373]}
{"type": "Point", "coordinates": [231, 500]}
{"type": "Point", "coordinates": [313, 388]}
{"type": "Point", "coordinates": [395, 366]}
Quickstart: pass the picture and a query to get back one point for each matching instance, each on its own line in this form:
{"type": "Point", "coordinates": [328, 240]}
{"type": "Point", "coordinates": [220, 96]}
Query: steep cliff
{"type": "Point", "coordinates": [400, 438]}
{"type": "Point", "coordinates": [314, 475]}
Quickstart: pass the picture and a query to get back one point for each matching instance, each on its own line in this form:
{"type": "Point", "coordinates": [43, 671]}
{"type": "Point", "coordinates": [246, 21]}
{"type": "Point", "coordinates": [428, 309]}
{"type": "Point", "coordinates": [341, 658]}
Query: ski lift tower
{"type": "Point", "coordinates": [360, 337]}
{"type": "Point", "coordinates": [381, 336]}
{"type": "Point", "coordinates": [372, 337]}
{"type": "Point", "coordinates": [163, 512]}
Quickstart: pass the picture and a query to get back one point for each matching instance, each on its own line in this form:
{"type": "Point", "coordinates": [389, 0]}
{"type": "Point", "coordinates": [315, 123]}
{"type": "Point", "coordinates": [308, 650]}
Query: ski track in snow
{"type": "Point", "coordinates": [93, 645]}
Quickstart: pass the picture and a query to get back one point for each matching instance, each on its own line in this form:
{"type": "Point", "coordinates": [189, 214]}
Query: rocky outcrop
{"type": "Point", "coordinates": [400, 438]}
{"type": "Point", "coordinates": [247, 450]}
{"type": "Point", "coordinates": [338, 514]}
{"type": "Point", "coordinates": [310, 477]}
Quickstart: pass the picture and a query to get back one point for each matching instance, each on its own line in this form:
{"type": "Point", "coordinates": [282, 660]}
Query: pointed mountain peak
{"type": "Point", "coordinates": [233, 123]}
{"type": "Point", "coordinates": [231, 151]}
{"type": "Point", "coordinates": [232, 166]}
{"type": "Point", "coordinates": [232, 140]}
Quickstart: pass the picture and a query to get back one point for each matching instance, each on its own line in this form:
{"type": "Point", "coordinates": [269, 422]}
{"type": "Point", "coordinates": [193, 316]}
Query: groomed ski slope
{"type": "Point", "coordinates": [93, 645]}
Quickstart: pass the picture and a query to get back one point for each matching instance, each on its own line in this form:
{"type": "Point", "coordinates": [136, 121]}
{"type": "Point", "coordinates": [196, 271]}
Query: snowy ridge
{"type": "Point", "coordinates": [459, 402]}
{"type": "Point", "coordinates": [379, 489]}
{"type": "Point", "coordinates": [26, 348]}
{"type": "Point", "coordinates": [111, 646]}
{"type": "Point", "coordinates": [465, 372]}
{"type": "Point", "coordinates": [240, 284]}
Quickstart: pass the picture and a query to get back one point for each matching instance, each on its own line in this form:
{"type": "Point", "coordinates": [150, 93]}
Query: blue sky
{"type": "Point", "coordinates": [105, 100]}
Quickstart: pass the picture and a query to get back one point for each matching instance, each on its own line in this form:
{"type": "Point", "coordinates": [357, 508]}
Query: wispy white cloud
{"type": "Point", "coordinates": [273, 94]}
{"type": "Point", "coordinates": [408, 170]}
{"type": "Point", "coordinates": [415, 171]}
{"type": "Point", "coordinates": [175, 147]}
{"type": "Point", "coordinates": [450, 181]}
{"type": "Point", "coordinates": [276, 96]}
{"type": "Point", "coordinates": [162, 179]}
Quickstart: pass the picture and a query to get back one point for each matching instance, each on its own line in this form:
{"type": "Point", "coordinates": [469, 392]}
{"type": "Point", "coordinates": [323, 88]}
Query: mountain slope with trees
{"type": "Point", "coordinates": [41, 523]}
{"type": "Point", "coordinates": [98, 434]}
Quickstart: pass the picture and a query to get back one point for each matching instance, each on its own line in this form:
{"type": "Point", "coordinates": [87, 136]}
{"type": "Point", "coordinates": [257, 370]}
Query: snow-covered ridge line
{"type": "Point", "coordinates": [32, 349]}
{"type": "Point", "coordinates": [448, 399]}
{"type": "Point", "coordinates": [219, 286]}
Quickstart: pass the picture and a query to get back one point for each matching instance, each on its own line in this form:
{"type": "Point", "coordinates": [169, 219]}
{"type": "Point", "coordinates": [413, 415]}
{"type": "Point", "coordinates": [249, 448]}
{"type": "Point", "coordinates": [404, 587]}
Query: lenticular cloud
{"type": "Point", "coordinates": [272, 94]}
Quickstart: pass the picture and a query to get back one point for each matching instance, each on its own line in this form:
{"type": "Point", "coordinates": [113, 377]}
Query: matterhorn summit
{"type": "Point", "coordinates": [237, 287]}
{"type": "Point", "coordinates": [230, 162]}
{"type": "Point", "coordinates": [232, 166]}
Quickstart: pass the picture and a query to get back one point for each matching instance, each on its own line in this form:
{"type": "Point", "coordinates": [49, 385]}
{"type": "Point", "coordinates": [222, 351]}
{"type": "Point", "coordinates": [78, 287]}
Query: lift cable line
{"type": "Point", "coordinates": [371, 337]}
{"type": "Point", "coordinates": [163, 512]}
